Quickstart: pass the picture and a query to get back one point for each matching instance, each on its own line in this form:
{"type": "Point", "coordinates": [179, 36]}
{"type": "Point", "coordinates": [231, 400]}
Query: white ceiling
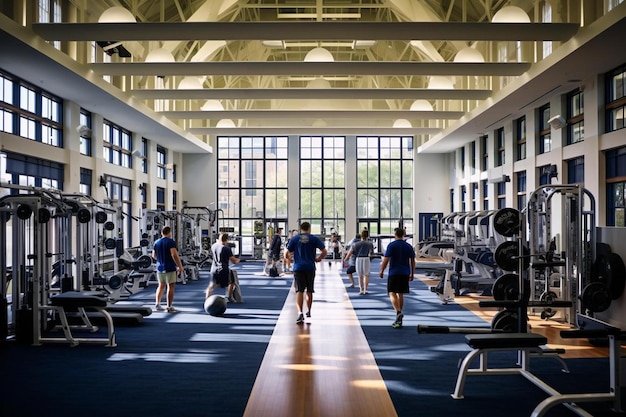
{"type": "Point", "coordinates": [264, 89]}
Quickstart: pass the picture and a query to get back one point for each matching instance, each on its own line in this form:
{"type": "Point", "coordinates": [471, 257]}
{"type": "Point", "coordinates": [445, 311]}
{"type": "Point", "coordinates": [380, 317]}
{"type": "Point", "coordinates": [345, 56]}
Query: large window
{"type": "Point", "coordinates": [500, 147]}
{"type": "Point", "coordinates": [520, 138]}
{"type": "Point", "coordinates": [576, 170]}
{"type": "Point", "coordinates": [119, 192]}
{"type": "Point", "coordinates": [545, 138]}
{"type": "Point", "coordinates": [485, 187]}
{"type": "Point", "coordinates": [615, 99]}
{"type": "Point", "coordinates": [484, 160]}
{"type": "Point", "coordinates": [30, 112]}
{"type": "Point", "coordinates": [85, 181]}
{"type": "Point", "coordinates": [50, 12]}
{"type": "Point", "coordinates": [85, 132]}
{"type": "Point", "coordinates": [118, 145]}
{"type": "Point", "coordinates": [501, 190]}
{"type": "Point", "coordinates": [385, 182]}
{"type": "Point", "coordinates": [575, 117]}
{"type": "Point", "coordinates": [161, 162]}
{"type": "Point", "coordinates": [34, 172]}
{"type": "Point", "coordinates": [521, 189]}
{"type": "Point", "coordinates": [616, 187]}
{"type": "Point", "coordinates": [322, 182]}
{"type": "Point", "coordinates": [252, 183]}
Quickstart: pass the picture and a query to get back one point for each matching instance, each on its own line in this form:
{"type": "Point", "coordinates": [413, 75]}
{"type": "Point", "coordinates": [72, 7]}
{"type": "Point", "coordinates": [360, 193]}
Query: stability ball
{"type": "Point", "coordinates": [215, 305]}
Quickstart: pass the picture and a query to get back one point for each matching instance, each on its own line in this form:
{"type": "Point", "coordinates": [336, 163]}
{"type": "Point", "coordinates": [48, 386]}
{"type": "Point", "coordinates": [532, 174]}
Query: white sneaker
{"type": "Point", "coordinates": [159, 307]}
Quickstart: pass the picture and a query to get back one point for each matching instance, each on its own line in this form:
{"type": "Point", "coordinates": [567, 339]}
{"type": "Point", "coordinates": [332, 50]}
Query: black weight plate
{"type": "Point", "coordinates": [144, 243]}
{"type": "Point", "coordinates": [109, 243]}
{"type": "Point", "coordinates": [83, 215]}
{"type": "Point", "coordinates": [109, 226]}
{"type": "Point", "coordinates": [595, 297]}
{"type": "Point", "coordinates": [506, 222]}
{"type": "Point", "coordinates": [507, 256]}
{"type": "Point", "coordinates": [115, 282]}
{"type": "Point", "coordinates": [24, 211]}
{"type": "Point", "coordinates": [144, 261]}
{"type": "Point", "coordinates": [505, 321]}
{"type": "Point", "coordinates": [506, 287]}
{"type": "Point", "coordinates": [101, 217]}
{"type": "Point", "coordinates": [43, 215]}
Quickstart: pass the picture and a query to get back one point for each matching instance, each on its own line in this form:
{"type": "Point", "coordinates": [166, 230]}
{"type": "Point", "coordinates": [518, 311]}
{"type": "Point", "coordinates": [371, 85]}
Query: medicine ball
{"type": "Point", "coordinates": [215, 305]}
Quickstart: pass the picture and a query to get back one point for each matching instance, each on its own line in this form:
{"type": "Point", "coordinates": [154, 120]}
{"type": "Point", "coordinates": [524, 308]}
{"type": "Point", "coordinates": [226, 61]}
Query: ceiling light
{"type": "Point", "coordinates": [190, 83]}
{"type": "Point", "coordinates": [438, 82]}
{"type": "Point", "coordinates": [362, 44]}
{"type": "Point", "coordinates": [225, 123]}
{"type": "Point", "coordinates": [319, 83]}
{"type": "Point", "coordinates": [212, 105]}
{"type": "Point", "coordinates": [421, 105]}
{"type": "Point", "coordinates": [319, 55]}
{"type": "Point", "coordinates": [274, 44]}
{"type": "Point", "coordinates": [510, 14]}
{"type": "Point", "coordinates": [468, 54]}
{"type": "Point", "coordinates": [117, 14]}
{"type": "Point", "coordinates": [402, 123]}
{"type": "Point", "coordinates": [160, 55]}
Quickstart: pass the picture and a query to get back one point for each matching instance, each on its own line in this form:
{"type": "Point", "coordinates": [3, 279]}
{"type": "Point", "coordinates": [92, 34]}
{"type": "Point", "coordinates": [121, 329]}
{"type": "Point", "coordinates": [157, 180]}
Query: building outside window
{"type": "Point", "coordinates": [385, 184]}
{"type": "Point", "coordinates": [252, 183]}
{"type": "Point", "coordinates": [322, 182]}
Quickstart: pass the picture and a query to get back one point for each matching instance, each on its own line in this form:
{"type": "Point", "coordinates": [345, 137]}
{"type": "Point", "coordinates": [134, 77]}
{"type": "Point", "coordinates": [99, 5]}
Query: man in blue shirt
{"type": "Point", "coordinates": [400, 256]}
{"type": "Point", "coordinates": [304, 249]}
{"type": "Point", "coordinates": [166, 255]}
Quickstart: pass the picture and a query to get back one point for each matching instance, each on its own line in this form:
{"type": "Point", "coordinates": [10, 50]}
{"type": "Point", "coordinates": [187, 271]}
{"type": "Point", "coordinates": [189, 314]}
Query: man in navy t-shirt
{"type": "Point", "coordinates": [166, 255]}
{"type": "Point", "coordinates": [304, 249]}
{"type": "Point", "coordinates": [400, 256]}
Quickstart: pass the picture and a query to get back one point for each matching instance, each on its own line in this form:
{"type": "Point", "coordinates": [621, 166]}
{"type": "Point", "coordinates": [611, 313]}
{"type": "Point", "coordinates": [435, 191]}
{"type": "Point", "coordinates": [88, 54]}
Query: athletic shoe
{"type": "Point", "coordinates": [399, 318]}
{"type": "Point", "coordinates": [231, 300]}
{"type": "Point", "coordinates": [300, 319]}
{"type": "Point", "coordinates": [308, 314]}
{"type": "Point", "coordinates": [159, 307]}
{"type": "Point", "coordinates": [396, 325]}
{"type": "Point", "coordinates": [365, 292]}
{"type": "Point", "coordinates": [172, 310]}
{"type": "Point", "coordinates": [351, 286]}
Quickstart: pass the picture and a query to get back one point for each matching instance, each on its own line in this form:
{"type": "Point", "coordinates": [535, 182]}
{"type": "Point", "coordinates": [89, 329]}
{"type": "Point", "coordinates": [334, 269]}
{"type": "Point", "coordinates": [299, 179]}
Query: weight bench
{"type": "Point", "coordinates": [79, 301]}
{"type": "Point", "coordinates": [526, 344]}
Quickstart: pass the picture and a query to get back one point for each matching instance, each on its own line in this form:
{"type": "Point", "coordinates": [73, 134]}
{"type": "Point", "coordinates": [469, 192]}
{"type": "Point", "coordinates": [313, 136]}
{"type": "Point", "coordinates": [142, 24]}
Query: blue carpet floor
{"type": "Point", "coordinates": [420, 369]}
{"type": "Point", "coordinates": [192, 364]}
{"type": "Point", "coordinates": [183, 364]}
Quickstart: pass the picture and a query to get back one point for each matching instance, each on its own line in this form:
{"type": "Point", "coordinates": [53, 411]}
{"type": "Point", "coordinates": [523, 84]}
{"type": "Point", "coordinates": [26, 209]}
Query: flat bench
{"type": "Point", "coordinates": [79, 301]}
{"type": "Point", "coordinates": [526, 344]}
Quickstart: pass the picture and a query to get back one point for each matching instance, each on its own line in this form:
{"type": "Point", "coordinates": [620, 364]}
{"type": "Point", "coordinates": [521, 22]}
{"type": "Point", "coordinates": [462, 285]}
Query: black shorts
{"type": "Point", "coordinates": [304, 280]}
{"type": "Point", "coordinates": [398, 284]}
{"type": "Point", "coordinates": [222, 278]}
{"type": "Point", "coordinates": [351, 269]}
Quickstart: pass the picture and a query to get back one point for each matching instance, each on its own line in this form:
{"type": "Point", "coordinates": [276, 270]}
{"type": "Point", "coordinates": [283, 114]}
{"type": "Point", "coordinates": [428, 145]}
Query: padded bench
{"type": "Point", "coordinates": [79, 301]}
{"type": "Point", "coordinates": [526, 344]}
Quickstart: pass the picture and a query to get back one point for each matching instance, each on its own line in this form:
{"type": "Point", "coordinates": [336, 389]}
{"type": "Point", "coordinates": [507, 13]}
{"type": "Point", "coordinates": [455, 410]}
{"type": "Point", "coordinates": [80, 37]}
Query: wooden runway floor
{"type": "Point", "coordinates": [324, 367]}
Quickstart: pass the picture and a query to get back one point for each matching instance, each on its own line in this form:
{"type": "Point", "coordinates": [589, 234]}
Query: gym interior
{"type": "Point", "coordinates": [491, 132]}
